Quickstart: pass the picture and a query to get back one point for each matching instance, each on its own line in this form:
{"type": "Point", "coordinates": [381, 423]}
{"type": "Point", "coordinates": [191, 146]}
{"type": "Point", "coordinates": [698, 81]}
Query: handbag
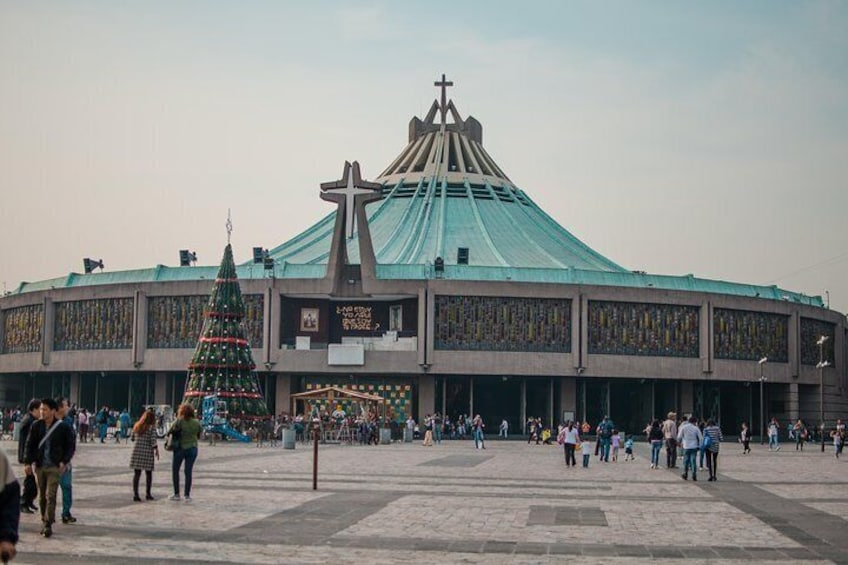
{"type": "Point", "coordinates": [173, 440]}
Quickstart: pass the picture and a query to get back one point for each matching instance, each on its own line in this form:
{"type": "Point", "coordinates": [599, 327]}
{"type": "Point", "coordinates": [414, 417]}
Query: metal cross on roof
{"type": "Point", "coordinates": [444, 84]}
{"type": "Point", "coordinates": [348, 187]}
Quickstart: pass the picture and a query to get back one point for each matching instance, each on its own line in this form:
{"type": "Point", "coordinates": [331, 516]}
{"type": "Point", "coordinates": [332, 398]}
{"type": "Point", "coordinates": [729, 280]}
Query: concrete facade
{"type": "Point", "coordinates": [284, 364]}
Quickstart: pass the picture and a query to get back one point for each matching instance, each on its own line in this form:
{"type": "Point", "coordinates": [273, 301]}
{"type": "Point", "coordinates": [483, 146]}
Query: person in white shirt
{"type": "Point", "coordinates": [410, 429]}
{"type": "Point", "coordinates": [669, 429]}
{"type": "Point", "coordinates": [690, 437]}
{"type": "Point", "coordinates": [504, 429]}
{"type": "Point", "coordinates": [82, 422]}
{"type": "Point", "coordinates": [570, 438]}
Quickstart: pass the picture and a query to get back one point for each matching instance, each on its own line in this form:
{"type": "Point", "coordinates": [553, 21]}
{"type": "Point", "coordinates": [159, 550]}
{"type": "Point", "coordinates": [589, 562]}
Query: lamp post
{"type": "Point", "coordinates": [762, 362]}
{"type": "Point", "coordinates": [820, 366]}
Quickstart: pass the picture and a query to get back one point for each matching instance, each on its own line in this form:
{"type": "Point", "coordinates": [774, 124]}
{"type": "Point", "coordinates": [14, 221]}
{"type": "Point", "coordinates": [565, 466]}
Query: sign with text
{"type": "Point", "coordinates": [357, 318]}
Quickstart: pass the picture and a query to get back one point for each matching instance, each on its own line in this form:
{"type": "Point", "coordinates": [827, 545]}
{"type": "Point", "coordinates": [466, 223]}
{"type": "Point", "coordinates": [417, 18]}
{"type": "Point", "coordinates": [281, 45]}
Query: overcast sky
{"type": "Point", "coordinates": [673, 137]}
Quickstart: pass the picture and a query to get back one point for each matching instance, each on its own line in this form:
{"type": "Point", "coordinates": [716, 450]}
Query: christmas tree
{"type": "Point", "coordinates": [223, 363]}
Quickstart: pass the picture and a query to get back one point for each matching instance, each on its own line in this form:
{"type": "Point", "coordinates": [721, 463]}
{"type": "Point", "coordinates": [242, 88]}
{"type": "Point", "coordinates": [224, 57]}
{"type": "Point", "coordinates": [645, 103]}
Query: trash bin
{"type": "Point", "coordinates": [288, 438]}
{"type": "Point", "coordinates": [407, 435]}
{"type": "Point", "coordinates": [385, 435]}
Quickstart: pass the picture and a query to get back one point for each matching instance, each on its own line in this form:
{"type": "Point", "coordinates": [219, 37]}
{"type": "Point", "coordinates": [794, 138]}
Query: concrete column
{"type": "Point", "coordinates": [282, 396]}
{"type": "Point", "coordinates": [47, 331]}
{"type": "Point", "coordinates": [274, 311]}
{"type": "Point", "coordinates": [705, 328]}
{"type": "Point", "coordinates": [568, 395]}
{"type": "Point", "coordinates": [794, 344]}
{"type": "Point", "coordinates": [74, 393]}
{"type": "Point", "coordinates": [423, 326]}
{"type": "Point", "coordinates": [584, 330]}
{"type": "Point", "coordinates": [471, 397]}
{"type": "Point", "coordinates": [139, 328]}
{"type": "Point", "coordinates": [687, 398]}
{"type": "Point", "coordinates": [266, 324]}
{"type": "Point", "coordinates": [160, 389]}
{"type": "Point", "coordinates": [444, 396]}
{"type": "Point", "coordinates": [653, 399]}
{"type": "Point", "coordinates": [426, 395]}
{"type": "Point", "coordinates": [576, 334]}
{"type": "Point", "coordinates": [794, 401]}
{"type": "Point", "coordinates": [551, 421]}
{"type": "Point", "coordinates": [523, 405]}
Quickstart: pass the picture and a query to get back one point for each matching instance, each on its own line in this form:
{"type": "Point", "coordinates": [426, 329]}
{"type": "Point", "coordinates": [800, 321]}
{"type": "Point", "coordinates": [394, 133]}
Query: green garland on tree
{"type": "Point", "coordinates": [223, 363]}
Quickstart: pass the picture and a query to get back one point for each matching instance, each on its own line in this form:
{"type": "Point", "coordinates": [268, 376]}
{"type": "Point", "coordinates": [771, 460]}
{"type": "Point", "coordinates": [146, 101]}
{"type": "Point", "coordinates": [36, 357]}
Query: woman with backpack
{"type": "Point", "coordinates": [712, 439]}
{"type": "Point", "coordinates": [656, 437]}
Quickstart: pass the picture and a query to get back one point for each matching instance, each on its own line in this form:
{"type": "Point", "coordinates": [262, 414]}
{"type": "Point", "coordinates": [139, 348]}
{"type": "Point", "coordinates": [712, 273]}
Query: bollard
{"type": "Point", "coordinates": [315, 434]}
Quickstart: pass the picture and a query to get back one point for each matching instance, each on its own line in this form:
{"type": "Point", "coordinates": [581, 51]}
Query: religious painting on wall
{"type": "Point", "coordinates": [309, 319]}
{"type": "Point", "coordinates": [396, 318]}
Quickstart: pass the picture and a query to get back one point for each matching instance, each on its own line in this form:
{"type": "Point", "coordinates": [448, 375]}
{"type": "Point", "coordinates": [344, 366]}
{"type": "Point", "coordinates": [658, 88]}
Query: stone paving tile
{"type": "Point", "coordinates": [499, 547]}
{"type": "Point", "coordinates": [667, 553]}
{"type": "Point", "coordinates": [250, 507]}
{"type": "Point", "coordinates": [799, 553]}
{"type": "Point", "coordinates": [633, 551]}
{"type": "Point", "coordinates": [761, 553]}
{"type": "Point", "coordinates": [469, 518]}
{"type": "Point", "coordinates": [699, 553]}
{"type": "Point", "coordinates": [806, 491]}
{"type": "Point", "coordinates": [531, 548]}
{"type": "Point", "coordinates": [839, 509]}
{"type": "Point", "coordinates": [565, 549]}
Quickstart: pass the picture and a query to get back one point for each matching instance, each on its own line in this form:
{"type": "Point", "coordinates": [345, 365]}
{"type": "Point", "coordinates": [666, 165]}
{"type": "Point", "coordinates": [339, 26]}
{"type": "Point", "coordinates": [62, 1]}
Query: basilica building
{"type": "Point", "coordinates": [440, 285]}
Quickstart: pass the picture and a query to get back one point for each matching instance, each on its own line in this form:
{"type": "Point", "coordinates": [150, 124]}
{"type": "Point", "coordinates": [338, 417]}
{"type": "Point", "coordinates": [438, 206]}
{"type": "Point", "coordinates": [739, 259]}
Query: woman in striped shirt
{"type": "Point", "coordinates": [713, 432]}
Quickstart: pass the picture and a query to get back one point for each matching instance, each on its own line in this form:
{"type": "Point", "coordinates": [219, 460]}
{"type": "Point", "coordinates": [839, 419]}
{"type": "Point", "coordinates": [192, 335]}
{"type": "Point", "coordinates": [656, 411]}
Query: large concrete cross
{"type": "Point", "coordinates": [347, 188]}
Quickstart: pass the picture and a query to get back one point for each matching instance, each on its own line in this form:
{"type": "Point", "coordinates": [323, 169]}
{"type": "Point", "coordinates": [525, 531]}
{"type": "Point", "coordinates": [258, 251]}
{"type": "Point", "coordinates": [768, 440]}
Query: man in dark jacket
{"type": "Point", "coordinates": [30, 491]}
{"type": "Point", "coordinates": [65, 480]}
{"type": "Point", "coordinates": [48, 450]}
{"type": "Point", "coordinates": [10, 511]}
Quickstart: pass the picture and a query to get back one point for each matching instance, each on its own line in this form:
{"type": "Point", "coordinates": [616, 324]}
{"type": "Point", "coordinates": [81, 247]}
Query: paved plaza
{"type": "Point", "coordinates": [405, 503]}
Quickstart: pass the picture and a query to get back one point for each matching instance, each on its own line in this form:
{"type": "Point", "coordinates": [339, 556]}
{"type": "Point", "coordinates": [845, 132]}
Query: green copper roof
{"type": "Point", "coordinates": [412, 225]}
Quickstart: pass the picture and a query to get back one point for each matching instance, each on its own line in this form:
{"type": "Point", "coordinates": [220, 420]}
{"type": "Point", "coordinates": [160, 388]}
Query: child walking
{"type": "Point", "coordinates": [586, 449]}
{"type": "Point", "coordinates": [745, 438]}
{"type": "Point", "coordinates": [616, 444]}
{"type": "Point", "coordinates": [628, 449]}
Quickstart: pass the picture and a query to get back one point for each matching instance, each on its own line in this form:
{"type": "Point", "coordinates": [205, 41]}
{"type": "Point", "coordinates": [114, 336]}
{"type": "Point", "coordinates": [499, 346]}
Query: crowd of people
{"type": "Point", "coordinates": [696, 442]}
{"type": "Point", "coordinates": [365, 428]}
{"type": "Point", "coordinates": [49, 429]}
{"type": "Point", "coordinates": [47, 440]}
{"type": "Point", "coordinates": [87, 426]}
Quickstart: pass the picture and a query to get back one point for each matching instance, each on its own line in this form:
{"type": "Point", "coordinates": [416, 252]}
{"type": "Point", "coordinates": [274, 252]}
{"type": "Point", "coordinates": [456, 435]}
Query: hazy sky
{"type": "Point", "coordinates": [673, 137]}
